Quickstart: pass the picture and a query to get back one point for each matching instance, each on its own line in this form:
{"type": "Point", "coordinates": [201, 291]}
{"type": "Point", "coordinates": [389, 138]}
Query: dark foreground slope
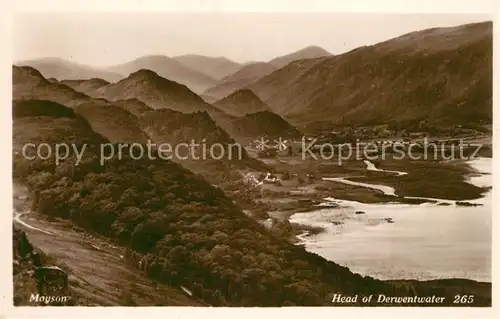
{"type": "Point", "coordinates": [214, 153]}
{"type": "Point", "coordinates": [253, 126]}
{"type": "Point", "coordinates": [182, 231]}
{"type": "Point", "coordinates": [112, 121]}
{"type": "Point", "coordinates": [26, 261]}
{"type": "Point", "coordinates": [442, 76]}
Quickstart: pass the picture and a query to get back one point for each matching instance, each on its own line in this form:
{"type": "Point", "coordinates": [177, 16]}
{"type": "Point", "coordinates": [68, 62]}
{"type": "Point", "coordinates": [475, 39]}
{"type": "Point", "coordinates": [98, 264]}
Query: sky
{"type": "Point", "coordinates": [104, 39]}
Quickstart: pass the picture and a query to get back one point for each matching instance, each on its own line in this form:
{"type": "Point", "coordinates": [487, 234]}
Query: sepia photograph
{"type": "Point", "coordinates": [252, 159]}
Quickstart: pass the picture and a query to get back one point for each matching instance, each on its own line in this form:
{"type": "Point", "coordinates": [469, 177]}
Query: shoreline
{"type": "Point", "coordinates": [304, 239]}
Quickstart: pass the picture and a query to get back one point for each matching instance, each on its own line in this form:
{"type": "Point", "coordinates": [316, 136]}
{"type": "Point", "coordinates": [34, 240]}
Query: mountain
{"type": "Point", "coordinates": [29, 83]}
{"type": "Point", "coordinates": [209, 99]}
{"type": "Point", "coordinates": [169, 69]}
{"type": "Point", "coordinates": [214, 67]}
{"type": "Point", "coordinates": [154, 108]}
{"type": "Point", "coordinates": [113, 122]}
{"type": "Point", "coordinates": [133, 106]}
{"type": "Point", "coordinates": [257, 125]}
{"type": "Point", "coordinates": [277, 86]}
{"type": "Point", "coordinates": [155, 91]}
{"type": "Point", "coordinates": [120, 111]}
{"type": "Point", "coordinates": [241, 102]}
{"type": "Point", "coordinates": [176, 127]}
{"type": "Point", "coordinates": [245, 76]}
{"type": "Point", "coordinates": [245, 117]}
{"type": "Point", "coordinates": [440, 75]}
{"type": "Point", "coordinates": [61, 69]}
{"type": "Point", "coordinates": [214, 153]}
{"type": "Point", "coordinates": [310, 52]}
{"type": "Point", "coordinates": [25, 108]}
{"type": "Point", "coordinates": [85, 86]}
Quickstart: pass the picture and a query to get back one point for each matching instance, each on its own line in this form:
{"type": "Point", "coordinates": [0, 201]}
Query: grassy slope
{"type": "Point", "coordinates": [182, 230]}
{"type": "Point", "coordinates": [439, 75]}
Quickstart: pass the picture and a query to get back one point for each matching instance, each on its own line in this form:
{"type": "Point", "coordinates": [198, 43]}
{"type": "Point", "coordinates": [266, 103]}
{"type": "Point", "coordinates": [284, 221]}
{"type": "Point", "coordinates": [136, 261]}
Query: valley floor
{"type": "Point", "coordinates": [400, 219]}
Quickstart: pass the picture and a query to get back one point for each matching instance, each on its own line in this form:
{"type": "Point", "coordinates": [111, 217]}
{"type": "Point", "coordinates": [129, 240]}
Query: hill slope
{"type": "Point", "coordinates": [245, 76]}
{"type": "Point", "coordinates": [442, 76]}
{"type": "Point", "coordinates": [260, 124]}
{"type": "Point", "coordinates": [240, 103]}
{"type": "Point", "coordinates": [113, 122]}
{"type": "Point", "coordinates": [179, 229]}
{"type": "Point", "coordinates": [65, 70]}
{"type": "Point", "coordinates": [154, 90]}
{"type": "Point", "coordinates": [118, 111]}
{"type": "Point", "coordinates": [29, 83]}
{"type": "Point", "coordinates": [85, 86]}
{"type": "Point", "coordinates": [214, 67]}
{"type": "Point", "coordinates": [169, 69]}
{"type": "Point", "coordinates": [310, 52]}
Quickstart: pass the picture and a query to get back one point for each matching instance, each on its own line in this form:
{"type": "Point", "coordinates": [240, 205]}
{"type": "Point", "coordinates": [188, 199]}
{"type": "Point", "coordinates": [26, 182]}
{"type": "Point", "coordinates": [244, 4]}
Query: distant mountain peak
{"type": "Point", "coordinates": [27, 70]}
{"type": "Point", "coordinates": [241, 102]}
{"type": "Point", "coordinates": [144, 73]}
{"type": "Point", "coordinates": [316, 48]}
{"type": "Point", "coordinates": [244, 94]}
{"type": "Point", "coordinates": [154, 78]}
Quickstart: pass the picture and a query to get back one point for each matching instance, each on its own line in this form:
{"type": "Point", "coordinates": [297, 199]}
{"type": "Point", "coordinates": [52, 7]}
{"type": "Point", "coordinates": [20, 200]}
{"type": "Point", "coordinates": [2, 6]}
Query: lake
{"type": "Point", "coordinates": [426, 241]}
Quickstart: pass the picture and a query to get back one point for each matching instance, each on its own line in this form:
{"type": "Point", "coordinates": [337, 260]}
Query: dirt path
{"type": "Point", "coordinates": [96, 268]}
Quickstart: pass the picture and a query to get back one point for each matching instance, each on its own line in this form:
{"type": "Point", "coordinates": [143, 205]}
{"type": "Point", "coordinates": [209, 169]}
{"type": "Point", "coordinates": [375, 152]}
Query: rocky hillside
{"type": "Point", "coordinates": [442, 76]}
{"type": "Point", "coordinates": [28, 265]}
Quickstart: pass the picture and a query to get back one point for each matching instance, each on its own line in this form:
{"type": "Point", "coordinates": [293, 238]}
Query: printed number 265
{"type": "Point", "coordinates": [463, 299]}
